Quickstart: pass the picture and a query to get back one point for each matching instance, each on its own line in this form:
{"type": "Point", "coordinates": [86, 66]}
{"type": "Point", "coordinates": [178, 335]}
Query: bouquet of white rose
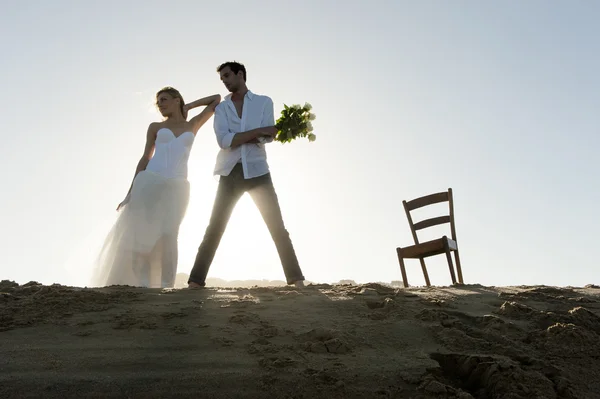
{"type": "Point", "coordinates": [294, 122]}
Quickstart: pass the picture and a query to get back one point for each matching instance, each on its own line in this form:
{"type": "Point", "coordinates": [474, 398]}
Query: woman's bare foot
{"type": "Point", "coordinates": [194, 285]}
{"type": "Point", "coordinates": [299, 284]}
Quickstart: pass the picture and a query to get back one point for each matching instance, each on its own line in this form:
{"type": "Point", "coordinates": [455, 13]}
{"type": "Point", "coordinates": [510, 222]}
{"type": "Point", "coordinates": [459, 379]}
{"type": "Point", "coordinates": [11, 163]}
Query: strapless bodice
{"type": "Point", "coordinates": [171, 153]}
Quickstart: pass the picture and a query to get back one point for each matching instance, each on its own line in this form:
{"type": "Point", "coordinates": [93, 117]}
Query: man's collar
{"type": "Point", "coordinates": [249, 94]}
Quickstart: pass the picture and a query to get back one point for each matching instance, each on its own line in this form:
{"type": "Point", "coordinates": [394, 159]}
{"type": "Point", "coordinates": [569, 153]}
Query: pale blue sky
{"type": "Point", "coordinates": [498, 100]}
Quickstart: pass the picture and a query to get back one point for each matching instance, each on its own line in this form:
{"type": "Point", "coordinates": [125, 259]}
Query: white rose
{"type": "Point", "coordinates": [311, 117]}
{"type": "Point", "coordinates": [307, 106]}
{"type": "Point", "coordinates": [312, 137]}
{"type": "Point", "coordinates": [309, 127]}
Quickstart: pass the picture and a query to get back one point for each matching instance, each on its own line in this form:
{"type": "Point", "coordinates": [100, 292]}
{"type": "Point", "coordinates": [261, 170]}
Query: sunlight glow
{"type": "Point", "coordinates": [246, 250]}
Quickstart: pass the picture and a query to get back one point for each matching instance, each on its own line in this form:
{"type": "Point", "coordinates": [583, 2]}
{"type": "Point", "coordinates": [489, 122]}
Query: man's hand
{"type": "Point", "coordinates": [267, 135]}
{"type": "Point", "coordinates": [270, 131]}
{"type": "Point", "coordinates": [254, 135]}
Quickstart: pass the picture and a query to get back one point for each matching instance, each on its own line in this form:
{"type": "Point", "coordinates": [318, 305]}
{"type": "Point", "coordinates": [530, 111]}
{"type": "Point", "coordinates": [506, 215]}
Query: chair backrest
{"type": "Point", "coordinates": [430, 200]}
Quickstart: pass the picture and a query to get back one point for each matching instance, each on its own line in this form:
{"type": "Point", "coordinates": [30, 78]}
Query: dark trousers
{"type": "Point", "coordinates": [230, 190]}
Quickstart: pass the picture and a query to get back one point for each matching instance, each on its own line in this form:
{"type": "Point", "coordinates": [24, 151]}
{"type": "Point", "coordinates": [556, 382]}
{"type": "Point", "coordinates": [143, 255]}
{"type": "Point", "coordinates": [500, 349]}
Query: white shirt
{"type": "Point", "coordinates": [256, 112]}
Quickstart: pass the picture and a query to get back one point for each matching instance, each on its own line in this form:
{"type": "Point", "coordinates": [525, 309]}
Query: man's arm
{"type": "Point", "coordinates": [250, 136]}
{"type": "Point", "coordinates": [228, 139]}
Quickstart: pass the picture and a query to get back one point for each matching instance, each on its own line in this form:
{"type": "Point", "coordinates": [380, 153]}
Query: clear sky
{"type": "Point", "coordinates": [498, 100]}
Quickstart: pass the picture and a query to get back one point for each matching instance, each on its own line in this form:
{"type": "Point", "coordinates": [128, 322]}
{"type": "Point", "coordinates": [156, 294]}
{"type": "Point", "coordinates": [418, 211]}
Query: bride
{"type": "Point", "coordinates": [141, 247]}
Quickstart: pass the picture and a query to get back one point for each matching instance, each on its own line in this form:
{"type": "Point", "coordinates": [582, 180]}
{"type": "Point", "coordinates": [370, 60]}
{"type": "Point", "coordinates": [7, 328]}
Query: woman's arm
{"type": "Point", "coordinates": [203, 101]}
{"type": "Point", "coordinates": [211, 103]}
{"type": "Point", "coordinates": [143, 162]}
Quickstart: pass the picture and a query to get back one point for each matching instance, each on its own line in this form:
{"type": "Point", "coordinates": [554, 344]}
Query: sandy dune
{"type": "Point", "coordinates": [340, 341]}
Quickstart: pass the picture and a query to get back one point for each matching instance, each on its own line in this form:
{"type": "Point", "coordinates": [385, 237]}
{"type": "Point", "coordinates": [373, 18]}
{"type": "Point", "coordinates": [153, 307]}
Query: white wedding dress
{"type": "Point", "coordinates": [141, 248]}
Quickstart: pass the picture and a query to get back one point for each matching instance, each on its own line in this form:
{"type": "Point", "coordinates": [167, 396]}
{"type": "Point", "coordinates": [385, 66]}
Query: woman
{"type": "Point", "coordinates": [141, 248]}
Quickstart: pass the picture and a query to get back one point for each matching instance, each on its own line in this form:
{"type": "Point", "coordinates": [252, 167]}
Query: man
{"type": "Point", "coordinates": [242, 122]}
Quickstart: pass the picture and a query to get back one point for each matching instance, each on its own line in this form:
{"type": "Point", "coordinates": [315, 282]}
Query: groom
{"type": "Point", "coordinates": [239, 122]}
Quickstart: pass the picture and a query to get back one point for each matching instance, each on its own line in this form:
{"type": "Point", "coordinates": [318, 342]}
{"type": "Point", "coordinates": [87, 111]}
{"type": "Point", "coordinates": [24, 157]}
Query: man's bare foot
{"type": "Point", "coordinates": [194, 285]}
{"type": "Point", "coordinates": [299, 284]}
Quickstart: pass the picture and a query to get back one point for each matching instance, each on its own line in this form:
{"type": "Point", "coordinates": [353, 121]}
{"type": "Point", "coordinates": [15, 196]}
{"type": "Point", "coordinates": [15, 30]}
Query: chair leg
{"type": "Point", "coordinates": [425, 272]}
{"type": "Point", "coordinates": [402, 268]}
{"type": "Point", "coordinates": [449, 257]}
{"type": "Point", "coordinates": [458, 268]}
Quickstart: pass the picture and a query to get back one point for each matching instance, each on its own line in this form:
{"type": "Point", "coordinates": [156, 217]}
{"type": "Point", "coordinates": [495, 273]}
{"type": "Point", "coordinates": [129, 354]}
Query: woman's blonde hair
{"type": "Point", "coordinates": [173, 93]}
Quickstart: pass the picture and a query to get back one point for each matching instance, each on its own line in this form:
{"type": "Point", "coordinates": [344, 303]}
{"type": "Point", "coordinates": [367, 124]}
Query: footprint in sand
{"type": "Point", "coordinates": [245, 318]}
{"type": "Point", "coordinates": [180, 330]}
{"type": "Point", "coordinates": [127, 321]}
{"type": "Point", "coordinates": [568, 339]}
{"type": "Point", "coordinates": [124, 322]}
{"type": "Point", "coordinates": [173, 315]}
{"type": "Point", "coordinates": [432, 315]}
{"type": "Point", "coordinates": [516, 310]}
{"type": "Point", "coordinates": [223, 341]}
{"type": "Point", "coordinates": [148, 325]}
{"type": "Point", "coordinates": [261, 346]}
{"type": "Point", "coordinates": [266, 331]}
{"type": "Point", "coordinates": [324, 376]}
{"type": "Point", "coordinates": [384, 308]}
{"type": "Point", "coordinates": [485, 376]}
{"type": "Point", "coordinates": [321, 340]}
{"type": "Point", "coordinates": [278, 362]}
{"type": "Point", "coordinates": [380, 304]}
{"type": "Point", "coordinates": [264, 328]}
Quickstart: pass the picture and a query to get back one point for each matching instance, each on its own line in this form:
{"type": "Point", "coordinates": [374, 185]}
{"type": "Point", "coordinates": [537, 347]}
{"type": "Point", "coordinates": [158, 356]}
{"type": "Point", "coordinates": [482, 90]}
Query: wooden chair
{"type": "Point", "coordinates": [434, 247]}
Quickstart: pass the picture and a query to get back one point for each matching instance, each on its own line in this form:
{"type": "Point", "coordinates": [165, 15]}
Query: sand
{"type": "Point", "coordinates": [325, 341]}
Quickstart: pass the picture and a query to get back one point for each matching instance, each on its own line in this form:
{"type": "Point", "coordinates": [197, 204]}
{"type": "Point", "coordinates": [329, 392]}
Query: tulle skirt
{"type": "Point", "coordinates": [141, 248]}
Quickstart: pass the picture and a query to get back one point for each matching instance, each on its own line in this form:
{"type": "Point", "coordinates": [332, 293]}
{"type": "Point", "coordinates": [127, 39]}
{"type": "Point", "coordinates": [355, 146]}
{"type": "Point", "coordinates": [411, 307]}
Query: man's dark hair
{"type": "Point", "coordinates": [234, 66]}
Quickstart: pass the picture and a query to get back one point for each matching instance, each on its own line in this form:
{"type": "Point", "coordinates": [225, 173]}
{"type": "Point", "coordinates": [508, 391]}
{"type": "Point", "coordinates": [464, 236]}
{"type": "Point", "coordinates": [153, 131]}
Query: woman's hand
{"type": "Point", "coordinates": [124, 202]}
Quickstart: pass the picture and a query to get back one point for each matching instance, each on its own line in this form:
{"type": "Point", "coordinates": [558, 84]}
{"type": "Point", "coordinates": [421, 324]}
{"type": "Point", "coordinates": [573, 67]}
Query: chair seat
{"type": "Point", "coordinates": [428, 248]}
